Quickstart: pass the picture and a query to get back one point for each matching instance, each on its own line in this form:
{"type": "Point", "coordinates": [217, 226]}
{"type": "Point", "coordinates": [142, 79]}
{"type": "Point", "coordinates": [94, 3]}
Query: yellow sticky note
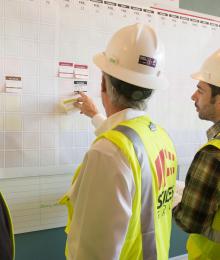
{"type": "Point", "coordinates": [67, 104]}
{"type": "Point", "coordinates": [70, 100]}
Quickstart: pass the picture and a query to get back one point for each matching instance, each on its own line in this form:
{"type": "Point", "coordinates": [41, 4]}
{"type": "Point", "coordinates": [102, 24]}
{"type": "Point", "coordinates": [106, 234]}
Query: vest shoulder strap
{"type": "Point", "coordinates": [214, 142]}
{"type": "Point", "coordinates": [147, 207]}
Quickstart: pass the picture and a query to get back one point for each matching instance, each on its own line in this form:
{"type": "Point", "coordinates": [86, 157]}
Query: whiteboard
{"type": "Point", "coordinates": [40, 146]}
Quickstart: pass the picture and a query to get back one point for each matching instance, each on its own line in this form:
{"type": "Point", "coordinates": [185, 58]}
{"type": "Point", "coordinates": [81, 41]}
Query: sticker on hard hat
{"type": "Point", "coordinates": [147, 61]}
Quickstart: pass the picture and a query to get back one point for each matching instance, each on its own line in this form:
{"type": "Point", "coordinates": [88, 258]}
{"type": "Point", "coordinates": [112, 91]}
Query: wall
{"type": "Point", "coordinates": [49, 244]}
{"type": "Point", "coordinates": [202, 6]}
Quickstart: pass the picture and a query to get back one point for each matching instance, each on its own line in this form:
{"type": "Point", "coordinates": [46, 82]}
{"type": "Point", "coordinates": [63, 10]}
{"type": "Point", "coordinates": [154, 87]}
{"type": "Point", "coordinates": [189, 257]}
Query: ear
{"type": "Point", "coordinates": [217, 99]}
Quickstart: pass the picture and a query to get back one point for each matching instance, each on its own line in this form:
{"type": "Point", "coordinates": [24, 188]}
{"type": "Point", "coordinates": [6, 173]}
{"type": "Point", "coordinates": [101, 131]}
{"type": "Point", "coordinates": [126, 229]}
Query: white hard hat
{"type": "Point", "coordinates": [210, 70]}
{"type": "Point", "coordinates": [134, 55]}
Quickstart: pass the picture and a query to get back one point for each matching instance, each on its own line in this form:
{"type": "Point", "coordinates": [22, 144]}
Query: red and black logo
{"type": "Point", "coordinates": [162, 172]}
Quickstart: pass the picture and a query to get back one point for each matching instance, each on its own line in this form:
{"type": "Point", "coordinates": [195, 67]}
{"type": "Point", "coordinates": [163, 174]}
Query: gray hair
{"type": "Point", "coordinates": [121, 100]}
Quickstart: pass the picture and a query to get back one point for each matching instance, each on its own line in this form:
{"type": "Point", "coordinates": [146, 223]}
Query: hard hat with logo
{"type": "Point", "coordinates": [135, 55]}
{"type": "Point", "coordinates": [210, 70]}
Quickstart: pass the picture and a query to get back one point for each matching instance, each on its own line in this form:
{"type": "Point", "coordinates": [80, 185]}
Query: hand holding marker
{"type": "Point", "coordinates": [86, 105]}
{"type": "Point", "coordinates": [83, 102]}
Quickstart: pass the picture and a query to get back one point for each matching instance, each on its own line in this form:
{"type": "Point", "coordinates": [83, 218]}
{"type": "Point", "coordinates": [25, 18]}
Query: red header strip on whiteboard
{"type": "Point", "coordinates": [191, 15]}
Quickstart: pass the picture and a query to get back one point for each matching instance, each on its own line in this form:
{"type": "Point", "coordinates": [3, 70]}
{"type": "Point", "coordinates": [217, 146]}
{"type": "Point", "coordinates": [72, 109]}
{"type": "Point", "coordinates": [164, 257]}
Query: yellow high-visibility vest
{"type": "Point", "coordinates": [207, 246]}
{"type": "Point", "coordinates": [152, 158]}
{"type": "Point", "coordinates": [7, 246]}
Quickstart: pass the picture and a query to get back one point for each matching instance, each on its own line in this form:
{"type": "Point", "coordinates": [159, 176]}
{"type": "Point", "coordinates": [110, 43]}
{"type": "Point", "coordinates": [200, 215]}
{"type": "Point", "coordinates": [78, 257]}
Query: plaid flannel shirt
{"type": "Point", "coordinates": [201, 196]}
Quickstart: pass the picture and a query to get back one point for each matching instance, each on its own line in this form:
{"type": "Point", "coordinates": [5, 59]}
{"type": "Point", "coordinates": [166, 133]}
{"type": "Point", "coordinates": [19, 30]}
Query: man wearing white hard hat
{"type": "Point", "coordinates": [121, 196]}
{"type": "Point", "coordinates": [198, 213]}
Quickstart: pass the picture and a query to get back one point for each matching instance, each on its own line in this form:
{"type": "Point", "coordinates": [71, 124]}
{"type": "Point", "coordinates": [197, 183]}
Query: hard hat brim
{"type": "Point", "coordinates": [129, 76]}
{"type": "Point", "coordinates": [201, 77]}
{"type": "Point", "coordinates": [198, 76]}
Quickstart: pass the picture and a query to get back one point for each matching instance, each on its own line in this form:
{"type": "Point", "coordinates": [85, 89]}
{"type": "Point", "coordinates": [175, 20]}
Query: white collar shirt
{"type": "Point", "coordinates": [102, 197]}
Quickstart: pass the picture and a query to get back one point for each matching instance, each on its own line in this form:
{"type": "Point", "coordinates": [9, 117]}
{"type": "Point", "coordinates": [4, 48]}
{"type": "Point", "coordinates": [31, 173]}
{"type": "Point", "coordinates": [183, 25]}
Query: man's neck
{"type": "Point", "coordinates": [113, 109]}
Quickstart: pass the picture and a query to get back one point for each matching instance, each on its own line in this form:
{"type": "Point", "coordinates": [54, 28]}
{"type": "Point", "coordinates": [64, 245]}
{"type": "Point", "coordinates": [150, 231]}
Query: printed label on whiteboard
{"type": "Point", "coordinates": [136, 8]}
{"type": "Point", "coordinates": [65, 70]}
{"type": "Point", "coordinates": [110, 3]}
{"type": "Point", "coordinates": [13, 84]}
{"type": "Point", "coordinates": [81, 71]}
{"type": "Point", "coordinates": [97, 1]}
{"type": "Point", "coordinates": [80, 85]}
{"type": "Point", "coordinates": [149, 11]}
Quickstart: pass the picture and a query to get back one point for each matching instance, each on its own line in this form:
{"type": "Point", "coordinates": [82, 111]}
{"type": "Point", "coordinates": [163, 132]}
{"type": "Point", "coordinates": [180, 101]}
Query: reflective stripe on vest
{"type": "Point", "coordinates": [147, 209]}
